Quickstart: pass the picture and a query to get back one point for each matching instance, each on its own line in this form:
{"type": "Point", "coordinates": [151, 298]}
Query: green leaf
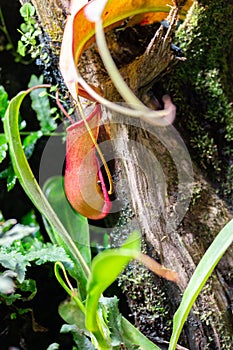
{"type": "Point", "coordinates": [6, 225]}
{"type": "Point", "coordinates": [34, 192]}
{"type": "Point", "coordinates": [113, 319]}
{"type": "Point", "coordinates": [105, 268]}
{"type": "Point", "coordinates": [25, 29]}
{"type": "Point", "coordinates": [30, 141]}
{"type": "Point", "coordinates": [203, 271]}
{"type": "Point", "coordinates": [15, 233]}
{"type": "Point", "coordinates": [21, 49]}
{"type": "Point", "coordinates": [29, 286]}
{"type": "Point", "coordinates": [30, 219]}
{"type": "Point", "coordinates": [122, 331]}
{"type": "Point", "coordinates": [49, 253]}
{"type": "Point", "coordinates": [11, 179]}
{"type": "Point", "coordinates": [3, 147]}
{"type": "Point", "coordinates": [10, 299]}
{"type": "Point", "coordinates": [8, 47]}
{"type": "Point", "coordinates": [3, 101]}
{"type": "Point", "coordinates": [27, 10]}
{"type": "Point", "coordinates": [79, 337]}
{"type": "Point", "coordinates": [71, 313]}
{"type": "Point", "coordinates": [14, 261]}
{"type": "Point", "coordinates": [75, 223]}
{"type": "Point", "coordinates": [133, 337]}
{"type": "Point", "coordinates": [41, 105]}
{"type": "Point", "coordinates": [9, 174]}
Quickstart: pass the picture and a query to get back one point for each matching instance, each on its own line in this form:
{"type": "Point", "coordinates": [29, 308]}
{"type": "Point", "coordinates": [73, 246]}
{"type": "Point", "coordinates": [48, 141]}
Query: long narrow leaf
{"type": "Point", "coordinates": [203, 271]}
{"type": "Point", "coordinates": [32, 189]}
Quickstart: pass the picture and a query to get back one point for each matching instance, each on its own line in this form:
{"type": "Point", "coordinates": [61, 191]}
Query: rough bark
{"type": "Point", "coordinates": [147, 189]}
{"type": "Point", "coordinates": [178, 248]}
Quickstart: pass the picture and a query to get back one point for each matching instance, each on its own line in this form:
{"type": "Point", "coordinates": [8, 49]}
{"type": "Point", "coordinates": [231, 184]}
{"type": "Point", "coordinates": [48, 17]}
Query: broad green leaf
{"type": "Point", "coordinates": [41, 105]}
{"type": "Point", "coordinates": [34, 192]}
{"type": "Point", "coordinates": [71, 314]}
{"type": "Point", "coordinates": [3, 147]}
{"type": "Point", "coordinates": [105, 268]}
{"type": "Point", "coordinates": [203, 271]}
{"type": "Point", "coordinates": [75, 223]}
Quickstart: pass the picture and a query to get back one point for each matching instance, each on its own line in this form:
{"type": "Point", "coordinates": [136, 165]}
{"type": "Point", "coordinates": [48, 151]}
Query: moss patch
{"type": "Point", "coordinates": [202, 92]}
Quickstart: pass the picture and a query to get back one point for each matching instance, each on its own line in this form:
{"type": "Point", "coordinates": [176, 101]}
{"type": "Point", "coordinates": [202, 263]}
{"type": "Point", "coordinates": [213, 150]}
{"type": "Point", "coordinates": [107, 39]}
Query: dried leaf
{"type": "Point", "coordinates": [158, 269]}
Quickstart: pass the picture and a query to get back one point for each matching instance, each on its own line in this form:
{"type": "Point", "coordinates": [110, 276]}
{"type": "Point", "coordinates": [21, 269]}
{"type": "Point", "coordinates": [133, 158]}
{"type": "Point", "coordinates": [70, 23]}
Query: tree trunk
{"type": "Point", "coordinates": [162, 193]}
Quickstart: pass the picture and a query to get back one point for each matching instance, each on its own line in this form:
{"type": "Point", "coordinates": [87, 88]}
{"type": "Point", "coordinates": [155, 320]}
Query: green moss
{"type": "Point", "coordinates": [147, 300]}
{"type": "Point", "coordinates": [201, 90]}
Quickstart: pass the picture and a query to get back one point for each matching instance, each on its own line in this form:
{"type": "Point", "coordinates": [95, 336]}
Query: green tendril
{"type": "Point", "coordinates": [68, 287]}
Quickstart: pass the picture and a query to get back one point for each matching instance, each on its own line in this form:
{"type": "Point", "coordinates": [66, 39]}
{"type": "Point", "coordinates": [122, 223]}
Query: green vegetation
{"type": "Point", "coordinates": [46, 117]}
{"type": "Point", "coordinates": [22, 245]}
{"type": "Point", "coordinates": [30, 32]}
{"type": "Point", "coordinates": [29, 44]}
{"type": "Point", "coordinates": [94, 320]}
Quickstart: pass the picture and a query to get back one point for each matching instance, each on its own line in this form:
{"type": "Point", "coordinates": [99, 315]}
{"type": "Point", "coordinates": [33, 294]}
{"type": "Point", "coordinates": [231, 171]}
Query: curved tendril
{"type": "Point", "coordinates": [110, 191]}
{"type": "Point", "coordinates": [40, 86]}
{"type": "Point", "coordinates": [113, 71]}
{"type": "Point", "coordinates": [138, 110]}
{"type": "Point", "coordinates": [68, 288]}
{"type": "Point", "coordinates": [157, 116]}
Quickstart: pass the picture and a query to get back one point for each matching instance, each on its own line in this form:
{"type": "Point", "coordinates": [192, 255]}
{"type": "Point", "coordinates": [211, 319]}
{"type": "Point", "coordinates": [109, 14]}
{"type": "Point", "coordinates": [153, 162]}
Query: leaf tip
{"type": "Point", "coordinates": [159, 269]}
